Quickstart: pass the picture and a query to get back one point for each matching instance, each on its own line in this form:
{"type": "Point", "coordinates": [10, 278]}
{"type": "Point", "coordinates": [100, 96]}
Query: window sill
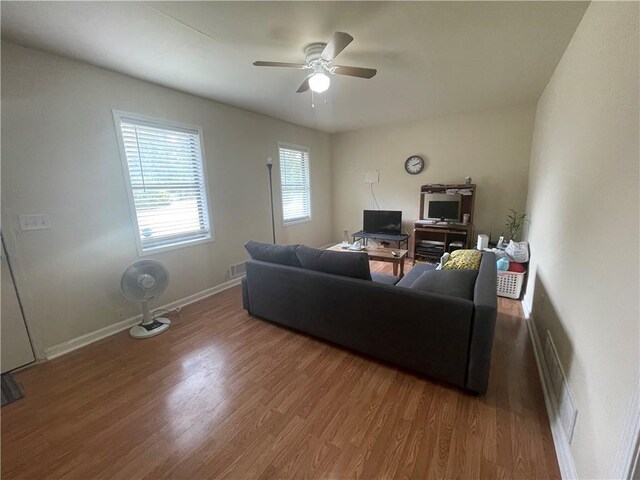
{"type": "Point", "coordinates": [296, 222]}
{"type": "Point", "coordinates": [173, 246]}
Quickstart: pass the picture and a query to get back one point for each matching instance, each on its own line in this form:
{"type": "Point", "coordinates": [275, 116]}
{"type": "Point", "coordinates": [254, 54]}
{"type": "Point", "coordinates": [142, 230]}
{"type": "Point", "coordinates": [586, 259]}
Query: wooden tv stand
{"type": "Point", "coordinates": [441, 236]}
{"type": "Point", "coordinates": [444, 235]}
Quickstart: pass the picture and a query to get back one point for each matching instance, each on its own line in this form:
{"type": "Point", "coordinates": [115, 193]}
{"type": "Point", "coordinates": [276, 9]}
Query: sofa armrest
{"type": "Point", "coordinates": [485, 310]}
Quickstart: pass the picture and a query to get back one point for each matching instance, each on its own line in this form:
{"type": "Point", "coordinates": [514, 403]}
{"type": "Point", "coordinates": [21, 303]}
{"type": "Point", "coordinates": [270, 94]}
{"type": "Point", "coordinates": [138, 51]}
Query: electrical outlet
{"type": "Point", "coordinates": [41, 221]}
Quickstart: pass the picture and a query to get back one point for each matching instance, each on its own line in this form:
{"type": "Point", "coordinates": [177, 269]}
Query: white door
{"type": "Point", "coordinates": [16, 347]}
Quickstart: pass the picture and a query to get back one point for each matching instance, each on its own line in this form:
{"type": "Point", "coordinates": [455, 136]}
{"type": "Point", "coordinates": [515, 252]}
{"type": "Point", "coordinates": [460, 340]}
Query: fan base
{"type": "Point", "coordinates": [313, 51]}
{"type": "Point", "coordinates": [152, 329]}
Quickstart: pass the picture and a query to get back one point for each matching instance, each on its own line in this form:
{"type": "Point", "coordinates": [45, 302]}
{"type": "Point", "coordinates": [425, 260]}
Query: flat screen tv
{"type": "Point", "coordinates": [445, 210]}
{"type": "Point", "coordinates": [386, 222]}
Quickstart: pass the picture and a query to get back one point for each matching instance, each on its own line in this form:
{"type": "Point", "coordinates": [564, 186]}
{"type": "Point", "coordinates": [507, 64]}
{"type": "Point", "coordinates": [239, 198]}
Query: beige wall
{"type": "Point", "coordinates": [491, 147]}
{"type": "Point", "coordinates": [60, 157]}
{"type": "Point", "coordinates": [583, 201]}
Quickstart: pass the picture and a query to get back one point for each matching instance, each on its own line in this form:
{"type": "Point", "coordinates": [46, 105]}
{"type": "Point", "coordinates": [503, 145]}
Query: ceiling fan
{"type": "Point", "coordinates": [319, 58]}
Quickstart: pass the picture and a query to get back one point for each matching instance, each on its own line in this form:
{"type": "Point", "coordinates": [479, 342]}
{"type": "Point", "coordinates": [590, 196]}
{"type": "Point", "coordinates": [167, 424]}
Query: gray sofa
{"type": "Point", "coordinates": [442, 336]}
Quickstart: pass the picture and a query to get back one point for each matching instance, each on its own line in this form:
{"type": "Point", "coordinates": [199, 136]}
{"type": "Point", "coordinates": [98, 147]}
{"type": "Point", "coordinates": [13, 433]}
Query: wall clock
{"type": "Point", "coordinates": [414, 164]}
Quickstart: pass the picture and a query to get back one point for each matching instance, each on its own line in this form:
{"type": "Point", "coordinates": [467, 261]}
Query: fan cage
{"type": "Point", "coordinates": [153, 267]}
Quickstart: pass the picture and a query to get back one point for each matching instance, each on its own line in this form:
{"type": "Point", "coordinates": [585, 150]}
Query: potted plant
{"type": "Point", "coordinates": [514, 223]}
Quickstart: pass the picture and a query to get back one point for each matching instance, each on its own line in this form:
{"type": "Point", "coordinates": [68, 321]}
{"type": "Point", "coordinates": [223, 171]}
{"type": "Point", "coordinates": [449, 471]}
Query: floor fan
{"type": "Point", "coordinates": [142, 282]}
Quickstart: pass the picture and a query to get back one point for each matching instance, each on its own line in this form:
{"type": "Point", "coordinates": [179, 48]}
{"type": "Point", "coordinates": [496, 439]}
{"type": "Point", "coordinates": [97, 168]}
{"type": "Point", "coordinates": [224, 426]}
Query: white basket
{"type": "Point", "coordinates": [510, 284]}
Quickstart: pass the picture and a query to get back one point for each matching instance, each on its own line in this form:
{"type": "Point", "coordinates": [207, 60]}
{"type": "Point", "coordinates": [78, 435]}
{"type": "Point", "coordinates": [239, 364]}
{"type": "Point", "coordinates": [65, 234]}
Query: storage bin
{"type": "Point", "coordinates": [510, 284]}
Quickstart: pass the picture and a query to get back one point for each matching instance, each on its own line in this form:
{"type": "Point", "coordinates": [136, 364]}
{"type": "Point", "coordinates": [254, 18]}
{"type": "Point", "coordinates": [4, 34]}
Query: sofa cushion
{"type": "Point", "coordinates": [347, 264]}
{"type": "Point", "coordinates": [415, 272]}
{"type": "Point", "coordinates": [463, 260]}
{"type": "Point", "coordinates": [454, 283]}
{"type": "Point", "coordinates": [384, 278]}
{"type": "Point", "coordinates": [267, 252]}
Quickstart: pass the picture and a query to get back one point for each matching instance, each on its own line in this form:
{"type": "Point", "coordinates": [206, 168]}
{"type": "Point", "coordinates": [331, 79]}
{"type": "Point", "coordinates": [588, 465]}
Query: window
{"type": "Point", "coordinates": [165, 176]}
{"type": "Point", "coordinates": [295, 184]}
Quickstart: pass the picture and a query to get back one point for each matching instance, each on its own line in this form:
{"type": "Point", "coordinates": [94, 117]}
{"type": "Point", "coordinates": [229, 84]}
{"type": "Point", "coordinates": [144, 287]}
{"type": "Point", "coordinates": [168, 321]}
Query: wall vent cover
{"type": "Point", "coordinates": [565, 405]}
{"type": "Point", "coordinates": [237, 270]}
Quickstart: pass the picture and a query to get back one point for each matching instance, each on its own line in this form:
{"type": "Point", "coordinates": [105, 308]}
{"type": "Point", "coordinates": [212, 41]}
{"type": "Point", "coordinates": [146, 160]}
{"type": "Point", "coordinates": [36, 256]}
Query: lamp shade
{"type": "Point", "coordinates": [319, 82]}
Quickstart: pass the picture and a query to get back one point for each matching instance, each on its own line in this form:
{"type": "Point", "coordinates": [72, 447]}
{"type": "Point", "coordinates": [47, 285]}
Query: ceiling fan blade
{"type": "Point", "coordinates": [338, 42]}
{"type": "Point", "coordinates": [280, 64]}
{"type": "Point", "coordinates": [304, 86]}
{"type": "Point", "coordinates": [355, 71]}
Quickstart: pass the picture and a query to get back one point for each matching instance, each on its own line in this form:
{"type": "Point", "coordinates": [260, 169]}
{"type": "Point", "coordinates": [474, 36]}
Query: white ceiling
{"type": "Point", "coordinates": [433, 58]}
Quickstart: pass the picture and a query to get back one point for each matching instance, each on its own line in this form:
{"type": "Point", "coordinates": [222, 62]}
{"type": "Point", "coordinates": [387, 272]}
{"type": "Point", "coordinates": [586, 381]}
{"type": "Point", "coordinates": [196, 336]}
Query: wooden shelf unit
{"type": "Point", "coordinates": [444, 234]}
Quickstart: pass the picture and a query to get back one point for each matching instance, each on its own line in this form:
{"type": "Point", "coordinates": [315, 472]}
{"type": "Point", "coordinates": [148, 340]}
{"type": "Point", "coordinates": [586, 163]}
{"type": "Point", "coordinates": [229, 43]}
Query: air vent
{"type": "Point", "coordinates": [566, 407]}
{"type": "Point", "coordinates": [237, 270]}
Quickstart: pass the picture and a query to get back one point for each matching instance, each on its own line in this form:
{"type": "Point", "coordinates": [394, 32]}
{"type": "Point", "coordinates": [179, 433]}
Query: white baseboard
{"type": "Point", "coordinates": [526, 307]}
{"type": "Point", "coordinates": [83, 340]}
{"type": "Point", "coordinates": [627, 460]}
{"type": "Point", "coordinates": [560, 441]}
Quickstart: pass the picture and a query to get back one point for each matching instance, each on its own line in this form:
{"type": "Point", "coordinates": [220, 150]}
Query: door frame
{"type": "Point", "coordinates": [8, 243]}
{"type": "Point", "coordinates": [628, 458]}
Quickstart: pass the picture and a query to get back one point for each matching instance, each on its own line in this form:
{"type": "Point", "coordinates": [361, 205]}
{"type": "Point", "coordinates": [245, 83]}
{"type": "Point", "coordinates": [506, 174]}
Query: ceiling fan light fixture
{"type": "Point", "coordinates": [319, 82]}
{"type": "Point", "coordinates": [319, 58]}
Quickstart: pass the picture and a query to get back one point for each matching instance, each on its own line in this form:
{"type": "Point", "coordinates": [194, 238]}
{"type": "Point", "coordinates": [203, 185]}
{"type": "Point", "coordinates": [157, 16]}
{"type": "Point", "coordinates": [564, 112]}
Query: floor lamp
{"type": "Point", "coordinates": [273, 221]}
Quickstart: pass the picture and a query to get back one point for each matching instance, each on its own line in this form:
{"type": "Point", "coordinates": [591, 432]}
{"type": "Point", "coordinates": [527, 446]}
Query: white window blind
{"type": "Point", "coordinates": [167, 185]}
{"type": "Point", "coordinates": [295, 184]}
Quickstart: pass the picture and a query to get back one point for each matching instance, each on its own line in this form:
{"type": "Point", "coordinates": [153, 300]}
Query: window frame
{"type": "Point", "coordinates": [293, 146]}
{"type": "Point", "coordinates": [118, 116]}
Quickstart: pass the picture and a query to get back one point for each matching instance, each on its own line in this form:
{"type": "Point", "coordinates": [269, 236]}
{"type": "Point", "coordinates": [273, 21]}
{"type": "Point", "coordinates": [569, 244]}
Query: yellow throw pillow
{"type": "Point", "coordinates": [463, 260]}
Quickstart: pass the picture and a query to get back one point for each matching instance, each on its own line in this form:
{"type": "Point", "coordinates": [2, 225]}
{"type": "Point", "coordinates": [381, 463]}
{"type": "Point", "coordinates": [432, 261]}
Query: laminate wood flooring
{"type": "Point", "coordinates": [222, 394]}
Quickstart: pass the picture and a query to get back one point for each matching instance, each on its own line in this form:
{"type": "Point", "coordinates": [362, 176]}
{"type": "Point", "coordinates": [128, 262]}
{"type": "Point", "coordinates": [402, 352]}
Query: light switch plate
{"type": "Point", "coordinates": [40, 221]}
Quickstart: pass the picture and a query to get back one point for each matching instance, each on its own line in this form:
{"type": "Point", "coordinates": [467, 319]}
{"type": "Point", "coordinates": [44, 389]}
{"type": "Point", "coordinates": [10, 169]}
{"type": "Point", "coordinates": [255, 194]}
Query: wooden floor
{"type": "Point", "coordinates": [223, 394]}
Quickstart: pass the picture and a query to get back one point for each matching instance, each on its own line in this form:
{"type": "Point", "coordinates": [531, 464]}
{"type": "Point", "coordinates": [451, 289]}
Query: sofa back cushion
{"type": "Point", "coordinates": [267, 252]}
{"type": "Point", "coordinates": [347, 264]}
{"type": "Point", "coordinates": [454, 283]}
